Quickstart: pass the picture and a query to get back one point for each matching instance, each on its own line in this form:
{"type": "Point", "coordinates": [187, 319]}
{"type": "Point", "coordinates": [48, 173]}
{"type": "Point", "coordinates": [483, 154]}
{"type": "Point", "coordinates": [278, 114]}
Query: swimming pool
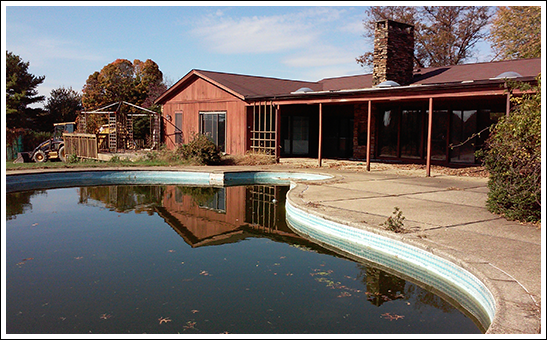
{"type": "Point", "coordinates": [439, 274]}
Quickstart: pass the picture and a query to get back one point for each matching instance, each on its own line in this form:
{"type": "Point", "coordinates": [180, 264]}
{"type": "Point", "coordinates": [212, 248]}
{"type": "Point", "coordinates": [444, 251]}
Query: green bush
{"type": "Point", "coordinates": [513, 158]}
{"type": "Point", "coordinates": [201, 150]}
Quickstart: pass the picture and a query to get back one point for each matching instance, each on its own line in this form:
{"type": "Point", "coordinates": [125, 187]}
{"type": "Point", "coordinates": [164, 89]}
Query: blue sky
{"type": "Point", "coordinates": [66, 44]}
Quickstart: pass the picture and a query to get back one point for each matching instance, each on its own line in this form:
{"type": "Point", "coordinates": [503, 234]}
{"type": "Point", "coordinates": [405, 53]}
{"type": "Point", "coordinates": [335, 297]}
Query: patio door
{"type": "Point", "coordinates": [295, 135]}
{"type": "Point", "coordinates": [213, 125]}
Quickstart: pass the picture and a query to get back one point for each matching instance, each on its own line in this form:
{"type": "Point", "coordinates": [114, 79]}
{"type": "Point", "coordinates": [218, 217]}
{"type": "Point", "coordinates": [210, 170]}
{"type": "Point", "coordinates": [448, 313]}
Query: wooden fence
{"type": "Point", "coordinates": [83, 145]}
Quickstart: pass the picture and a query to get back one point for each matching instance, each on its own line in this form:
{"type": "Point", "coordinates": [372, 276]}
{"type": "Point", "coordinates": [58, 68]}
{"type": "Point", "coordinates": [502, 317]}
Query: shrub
{"type": "Point", "coordinates": [395, 223]}
{"type": "Point", "coordinates": [513, 158]}
{"type": "Point", "coordinates": [202, 150]}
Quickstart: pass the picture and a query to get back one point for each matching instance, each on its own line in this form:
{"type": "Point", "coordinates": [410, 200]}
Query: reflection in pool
{"type": "Point", "coordinates": [105, 259]}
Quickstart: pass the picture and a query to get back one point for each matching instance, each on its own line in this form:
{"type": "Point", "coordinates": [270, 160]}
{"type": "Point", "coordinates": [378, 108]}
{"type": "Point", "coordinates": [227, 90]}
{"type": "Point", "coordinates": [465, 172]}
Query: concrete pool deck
{"type": "Point", "coordinates": [444, 214]}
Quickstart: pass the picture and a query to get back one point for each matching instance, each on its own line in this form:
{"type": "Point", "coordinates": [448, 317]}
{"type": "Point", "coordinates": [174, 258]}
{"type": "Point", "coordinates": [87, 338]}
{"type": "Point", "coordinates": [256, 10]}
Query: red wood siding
{"type": "Point", "coordinates": [202, 96]}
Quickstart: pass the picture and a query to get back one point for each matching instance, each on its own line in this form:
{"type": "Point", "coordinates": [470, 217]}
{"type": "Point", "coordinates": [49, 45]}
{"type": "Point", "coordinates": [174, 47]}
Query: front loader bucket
{"type": "Point", "coordinates": [23, 157]}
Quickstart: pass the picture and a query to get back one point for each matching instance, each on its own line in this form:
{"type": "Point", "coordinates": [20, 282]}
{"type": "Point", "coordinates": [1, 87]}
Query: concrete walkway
{"type": "Point", "coordinates": [443, 214]}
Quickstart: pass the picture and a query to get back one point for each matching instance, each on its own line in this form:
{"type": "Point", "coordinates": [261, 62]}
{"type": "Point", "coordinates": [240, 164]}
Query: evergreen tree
{"type": "Point", "coordinates": [21, 92]}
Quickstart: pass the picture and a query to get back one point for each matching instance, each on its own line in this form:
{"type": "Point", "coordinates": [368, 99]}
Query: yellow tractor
{"type": "Point", "coordinates": [53, 148]}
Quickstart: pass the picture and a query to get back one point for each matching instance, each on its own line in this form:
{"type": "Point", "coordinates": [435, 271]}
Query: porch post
{"type": "Point", "coordinates": [277, 133]}
{"type": "Point", "coordinates": [319, 153]}
{"type": "Point", "coordinates": [429, 133]}
{"type": "Point", "coordinates": [368, 133]}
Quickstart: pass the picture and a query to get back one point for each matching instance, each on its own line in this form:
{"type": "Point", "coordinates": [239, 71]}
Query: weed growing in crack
{"type": "Point", "coordinates": [395, 222]}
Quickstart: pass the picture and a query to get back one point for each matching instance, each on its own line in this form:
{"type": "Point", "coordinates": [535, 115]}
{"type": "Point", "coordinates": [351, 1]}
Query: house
{"type": "Point", "coordinates": [382, 116]}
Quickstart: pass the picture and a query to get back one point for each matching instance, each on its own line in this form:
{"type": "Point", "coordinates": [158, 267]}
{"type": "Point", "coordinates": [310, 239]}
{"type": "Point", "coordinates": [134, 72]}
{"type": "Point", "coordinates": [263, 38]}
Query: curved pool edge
{"type": "Point", "coordinates": [440, 271]}
{"type": "Point", "coordinates": [27, 181]}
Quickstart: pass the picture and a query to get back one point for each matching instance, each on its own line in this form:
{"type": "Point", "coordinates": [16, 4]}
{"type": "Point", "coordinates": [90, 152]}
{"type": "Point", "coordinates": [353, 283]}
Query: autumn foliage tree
{"type": "Point", "coordinates": [134, 82]}
{"type": "Point", "coordinates": [444, 35]}
{"type": "Point", "coordinates": [516, 32]}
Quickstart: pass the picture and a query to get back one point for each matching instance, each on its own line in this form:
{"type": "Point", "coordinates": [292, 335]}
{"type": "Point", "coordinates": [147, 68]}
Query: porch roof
{"type": "Point", "coordinates": [248, 87]}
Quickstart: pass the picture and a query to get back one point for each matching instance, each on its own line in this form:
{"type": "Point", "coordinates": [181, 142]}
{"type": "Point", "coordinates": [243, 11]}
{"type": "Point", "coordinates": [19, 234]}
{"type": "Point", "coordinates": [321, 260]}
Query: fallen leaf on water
{"type": "Point", "coordinates": [204, 273]}
{"type": "Point", "coordinates": [392, 317]}
{"type": "Point", "coordinates": [195, 311]}
{"type": "Point", "coordinates": [190, 325]}
{"type": "Point", "coordinates": [162, 320]}
{"type": "Point", "coordinates": [34, 224]}
{"type": "Point", "coordinates": [344, 294]}
{"type": "Point", "coordinates": [105, 316]}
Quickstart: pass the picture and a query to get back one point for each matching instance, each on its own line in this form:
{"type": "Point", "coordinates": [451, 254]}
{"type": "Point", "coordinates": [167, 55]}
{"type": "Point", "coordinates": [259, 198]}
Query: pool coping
{"type": "Point", "coordinates": [216, 175]}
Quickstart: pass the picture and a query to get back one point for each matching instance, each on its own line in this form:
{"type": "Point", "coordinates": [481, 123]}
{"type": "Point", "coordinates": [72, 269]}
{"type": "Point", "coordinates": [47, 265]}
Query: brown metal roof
{"type": "Point", "coordinates": [255, 87]}
{"type": "Point", "coordinates": [444, 74]}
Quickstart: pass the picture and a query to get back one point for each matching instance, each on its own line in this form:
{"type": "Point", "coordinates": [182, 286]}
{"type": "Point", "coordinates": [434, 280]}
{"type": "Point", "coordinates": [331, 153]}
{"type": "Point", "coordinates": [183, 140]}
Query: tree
{"type": "Point", "coordinates": [122, 80]}
{"type": "Point", "coordinates": [513, 158]}
{"type": "Point", "coordinates": [444, 35]}
{"type": "Point", "coordinates": [63, 105]}
{"type": "Point", "coordinates": [20, 93]}
{"type": "Point", "coordinates": [516, 32]}
{"type": "Point", "coordinates": [136, 82]}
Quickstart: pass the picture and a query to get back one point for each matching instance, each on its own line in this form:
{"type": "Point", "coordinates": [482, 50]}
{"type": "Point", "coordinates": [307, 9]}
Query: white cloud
{"type": "Point", "coordinates": [320, 56]}
{"type": "Point", "coordinates": [253, 34]}
{"type": "Point", "coordinates": [269, 34]}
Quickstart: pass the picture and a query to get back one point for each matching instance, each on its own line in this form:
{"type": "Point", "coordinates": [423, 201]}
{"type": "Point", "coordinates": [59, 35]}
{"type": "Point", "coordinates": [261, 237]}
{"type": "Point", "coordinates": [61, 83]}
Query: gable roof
{"type": "Point", "coordinates": [255, 87]}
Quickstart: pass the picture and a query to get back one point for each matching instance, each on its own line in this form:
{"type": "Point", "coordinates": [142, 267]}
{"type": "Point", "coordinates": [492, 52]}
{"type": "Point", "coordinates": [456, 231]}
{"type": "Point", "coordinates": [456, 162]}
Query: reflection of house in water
{"type": "Point", "coordinates": [209, 216]}
{"type": "Point", "coordinates": [123, 198]}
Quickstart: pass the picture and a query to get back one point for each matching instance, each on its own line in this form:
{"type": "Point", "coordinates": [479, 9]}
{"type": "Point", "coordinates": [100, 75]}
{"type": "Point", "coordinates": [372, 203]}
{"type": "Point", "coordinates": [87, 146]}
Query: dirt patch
{"type": "Point", "coordinates": [402, 169]}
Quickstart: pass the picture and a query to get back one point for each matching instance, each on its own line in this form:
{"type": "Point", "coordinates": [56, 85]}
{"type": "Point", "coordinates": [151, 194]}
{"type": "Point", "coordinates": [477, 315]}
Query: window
{"type": "Point", "coordinates": [411, 133]}
{"type": "Point", "coordinates": [388, 134]}
{"type": "Point", "coordinates": [463, 128]}
{"type": "Point", "coordinates": [213, 125]}
{"type": "Point", "coordinates": [178, 127]}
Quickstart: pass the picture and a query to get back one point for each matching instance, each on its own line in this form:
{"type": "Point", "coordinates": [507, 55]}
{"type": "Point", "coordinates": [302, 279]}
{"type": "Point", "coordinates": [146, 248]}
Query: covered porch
{"type": "Point", "coordinates": [382, 128]}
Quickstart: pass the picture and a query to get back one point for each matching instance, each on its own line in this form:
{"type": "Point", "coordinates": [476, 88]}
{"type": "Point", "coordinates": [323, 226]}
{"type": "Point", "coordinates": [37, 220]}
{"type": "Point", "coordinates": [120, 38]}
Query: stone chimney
{"type": "Point", "coordinates": [393, 52]}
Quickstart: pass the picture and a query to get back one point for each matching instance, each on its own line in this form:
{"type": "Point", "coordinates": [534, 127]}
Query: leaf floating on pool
{"type": "Point", "coordinates": [391, 317]}
{"type": "Point", "coordinates": [190, 325]}
{"type": "Point", "coordinates": [162, 320]}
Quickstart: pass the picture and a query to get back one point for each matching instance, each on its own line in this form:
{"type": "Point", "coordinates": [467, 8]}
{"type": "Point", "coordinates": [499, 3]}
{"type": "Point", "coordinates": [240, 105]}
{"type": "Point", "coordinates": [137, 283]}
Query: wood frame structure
{"type": "Point", "coordinates": [120, 135]}
{"type": "Point", "coordinates": [264, 134]}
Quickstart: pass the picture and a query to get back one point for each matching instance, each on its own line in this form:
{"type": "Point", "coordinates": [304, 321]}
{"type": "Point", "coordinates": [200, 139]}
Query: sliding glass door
{"type": "Point", "coordinates": [213, 125]}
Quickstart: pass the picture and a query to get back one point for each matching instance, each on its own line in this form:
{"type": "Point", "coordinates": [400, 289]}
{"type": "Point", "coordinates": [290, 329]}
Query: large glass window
{"type": "Point", "coordinates": [463, 126]}
{"type": "Point", "coordinates": [388, 134]}
{"type": "Point", "coordinates": [213, 125]}
{"type": "Point", "coordinates": [411, 133]}
{"type": "Point", "coordinates": [439, 134]}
